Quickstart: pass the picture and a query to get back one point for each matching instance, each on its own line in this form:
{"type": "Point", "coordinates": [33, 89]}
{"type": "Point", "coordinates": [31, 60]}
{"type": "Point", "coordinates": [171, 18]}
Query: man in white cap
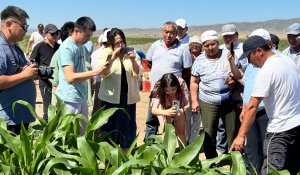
{"type": "Point", "coordinates": [182, 29]}
{"type": "Point", "coordinates": [293, 51]}
{"type": "Point", "coordinates": [230, 35]}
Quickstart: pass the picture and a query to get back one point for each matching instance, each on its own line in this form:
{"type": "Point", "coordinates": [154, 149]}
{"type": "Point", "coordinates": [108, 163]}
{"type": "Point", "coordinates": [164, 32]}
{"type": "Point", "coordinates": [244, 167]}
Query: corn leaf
{"type": "Point", "coordinates": [170, 140]}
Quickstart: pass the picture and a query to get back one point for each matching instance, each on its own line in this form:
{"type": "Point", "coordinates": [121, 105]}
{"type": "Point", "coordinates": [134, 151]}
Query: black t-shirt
{"type": "Point", "coordinates": [42, 53]}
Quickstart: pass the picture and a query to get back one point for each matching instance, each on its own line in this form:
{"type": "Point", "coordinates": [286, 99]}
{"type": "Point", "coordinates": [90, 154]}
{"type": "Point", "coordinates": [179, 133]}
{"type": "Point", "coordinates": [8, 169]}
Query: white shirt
{"type": "Point", "coordinates": [278, 82]}
{"type": "Point", "coordinates": [36, 37]}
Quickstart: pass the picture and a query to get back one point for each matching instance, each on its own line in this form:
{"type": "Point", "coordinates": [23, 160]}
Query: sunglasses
{"type": "Point", "coordinates": [53, 34]}
{"type": "Point", "coordinates": [24, 26]}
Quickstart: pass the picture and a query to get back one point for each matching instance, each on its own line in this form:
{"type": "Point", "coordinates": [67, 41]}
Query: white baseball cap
{"type": "Point", "coordinates": [229, 29]}
{"type": "Point", "coordinates": [104, 38]}
{"type": "Point", "coordinates": [209, 35]}
{"type": "Point", "coordinates": [262, 33]}
{"type": "Point", "coordinates": [181, 22]}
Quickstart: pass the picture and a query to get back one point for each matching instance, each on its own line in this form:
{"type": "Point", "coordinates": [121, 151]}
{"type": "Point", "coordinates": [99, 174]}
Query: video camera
{"type": "Point", "coordinates": [44, 72]}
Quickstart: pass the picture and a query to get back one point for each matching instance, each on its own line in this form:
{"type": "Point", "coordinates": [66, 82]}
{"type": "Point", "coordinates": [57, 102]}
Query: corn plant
{"type": "Point", "coordinates": [56, 147]}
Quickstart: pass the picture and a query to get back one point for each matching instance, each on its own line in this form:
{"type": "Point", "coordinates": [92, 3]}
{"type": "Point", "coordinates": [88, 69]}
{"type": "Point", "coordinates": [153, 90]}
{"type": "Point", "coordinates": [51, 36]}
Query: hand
{"type": "Point", "coordinates": [30, 71]}
{"type": "Point", "coordinates": [195, 106]}
{"type": "Point", "coordinates": [132, 55]}
{"type": "Point", "coordinates": [230, 81]}
{"type": "Point", "coordinates": [237, 144]}
{"type": "Point", "coordinates": [104, 69]}
{"type": "Point", "coordinates": [230, 58]}
{"type": "Point", "coordinates": [172, 112]}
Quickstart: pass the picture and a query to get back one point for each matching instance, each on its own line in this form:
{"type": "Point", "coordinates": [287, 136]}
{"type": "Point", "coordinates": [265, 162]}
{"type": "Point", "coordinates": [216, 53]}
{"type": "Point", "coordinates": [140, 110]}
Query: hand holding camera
{"type": "Point", "coordinates": [44, 72]}
{"type": "Point", "coordinates": [30, 71]}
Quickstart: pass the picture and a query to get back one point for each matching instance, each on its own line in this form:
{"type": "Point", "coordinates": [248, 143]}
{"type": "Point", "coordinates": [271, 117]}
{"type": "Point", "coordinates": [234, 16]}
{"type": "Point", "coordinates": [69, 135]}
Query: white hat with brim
{"type": "Point", "coordinates": [209, 35]}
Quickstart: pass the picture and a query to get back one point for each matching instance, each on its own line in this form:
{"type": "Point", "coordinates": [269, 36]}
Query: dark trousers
{"type": "Point", "coordinates": [281, 150]}
{"type": "Point", "coordinates": [46, 92]}
{"type": "Point", "coordinates": [210, 119]}
{"type": "Point", "coordinates": [255, 141]}
{"type": "Point", "coordinates": [152, 123]}
{"type": "Point", "coordinates": [17, 128]}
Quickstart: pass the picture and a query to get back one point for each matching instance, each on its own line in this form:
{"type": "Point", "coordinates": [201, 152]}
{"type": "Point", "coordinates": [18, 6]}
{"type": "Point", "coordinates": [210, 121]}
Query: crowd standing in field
{"type": "Point", "coordinates": [199, 80]}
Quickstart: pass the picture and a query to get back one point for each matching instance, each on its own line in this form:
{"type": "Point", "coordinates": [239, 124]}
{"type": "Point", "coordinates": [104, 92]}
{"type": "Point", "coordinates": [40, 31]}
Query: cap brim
{"type": "Point", "coordinates": [292, 33]}
{"type": "Point", "coordinates": [228, 33]}
{"type": "Point", "coordinates": [52, 30]}
{"type": "Point", "coordinates": [245, 55]}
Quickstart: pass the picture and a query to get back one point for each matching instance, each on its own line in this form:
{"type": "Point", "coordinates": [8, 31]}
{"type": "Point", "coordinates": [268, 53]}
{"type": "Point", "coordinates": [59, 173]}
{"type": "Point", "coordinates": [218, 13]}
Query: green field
{"type": "Point", "coordinates": [147, 40]}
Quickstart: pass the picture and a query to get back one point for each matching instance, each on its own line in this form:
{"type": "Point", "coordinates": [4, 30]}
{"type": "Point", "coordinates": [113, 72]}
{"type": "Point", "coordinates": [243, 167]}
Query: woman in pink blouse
{"type": "Point", "coordinates": [171, 100]}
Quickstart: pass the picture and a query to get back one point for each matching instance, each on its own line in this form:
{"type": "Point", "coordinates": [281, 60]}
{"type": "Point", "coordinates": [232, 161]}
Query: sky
{"type": "Point", "coordinates": [153, 13]}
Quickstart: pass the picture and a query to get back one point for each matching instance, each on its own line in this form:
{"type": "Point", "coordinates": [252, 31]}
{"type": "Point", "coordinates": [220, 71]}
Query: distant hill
{"type": "Point", "coordinates": [277, 26]}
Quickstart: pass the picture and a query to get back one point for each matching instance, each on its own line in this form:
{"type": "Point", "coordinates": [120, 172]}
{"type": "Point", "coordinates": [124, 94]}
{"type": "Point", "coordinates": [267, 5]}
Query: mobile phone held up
{"type": "Point", "coordinates": [176, 104]}
{"type": "Point", "coordinates": [231, 49]}
{"type": "Point", "coordinates": [108, 58]}
{"type": "Point", "coordinates": [125, 50]}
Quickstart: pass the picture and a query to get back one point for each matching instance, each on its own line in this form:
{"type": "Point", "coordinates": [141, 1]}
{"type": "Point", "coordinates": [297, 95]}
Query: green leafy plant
{"type": "Point", "coordinates": [56, 147]}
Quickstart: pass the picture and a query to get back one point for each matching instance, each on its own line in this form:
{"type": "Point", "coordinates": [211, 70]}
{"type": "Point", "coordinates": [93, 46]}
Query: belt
{"type": "Point", "coordinates": [260, 113]}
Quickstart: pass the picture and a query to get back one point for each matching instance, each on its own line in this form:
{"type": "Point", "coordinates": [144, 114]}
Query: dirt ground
{"type": "Point", "coordinates": [141, 112]}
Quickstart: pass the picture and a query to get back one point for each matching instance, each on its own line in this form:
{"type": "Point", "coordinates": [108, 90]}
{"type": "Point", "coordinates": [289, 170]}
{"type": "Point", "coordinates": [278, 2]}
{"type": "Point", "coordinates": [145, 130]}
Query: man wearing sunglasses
{"type": "Point", "coordinates": [41, 55]}
{"type": "Point", "coordinates": [16, 75]}
{"type": "Point", "coordinates": [35, 38]}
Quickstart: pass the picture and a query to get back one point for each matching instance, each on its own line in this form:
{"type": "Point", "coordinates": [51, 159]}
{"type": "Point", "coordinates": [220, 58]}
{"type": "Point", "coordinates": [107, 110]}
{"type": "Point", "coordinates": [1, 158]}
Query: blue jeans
{"type": "Point", "coordinates": [152, 123]}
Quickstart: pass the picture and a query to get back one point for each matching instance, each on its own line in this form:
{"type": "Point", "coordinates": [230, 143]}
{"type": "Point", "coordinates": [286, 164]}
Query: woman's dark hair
{"type": "Point", "coordinates": [66, 30]}
{"type": "Point", "coordinates": [111, 36]}
{"type": "Point", "coordinates": [167, 80]}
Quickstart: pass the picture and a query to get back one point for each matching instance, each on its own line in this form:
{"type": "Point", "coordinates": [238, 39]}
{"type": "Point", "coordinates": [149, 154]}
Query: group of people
{"type": "Point", "coordinates": [197, 83]}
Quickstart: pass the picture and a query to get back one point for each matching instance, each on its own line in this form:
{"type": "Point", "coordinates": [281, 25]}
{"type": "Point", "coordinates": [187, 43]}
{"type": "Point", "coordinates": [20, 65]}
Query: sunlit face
{"type": "Point", "coordinates": [83, 37]}
{"type": "Point", "coordinates": [294, 42]}
{"type": "Point", "coordinates": [230, 38]}
{"type": "Point", "coordinates": [17, 28]}
{"type": "Point", "coordinates": [211, 48]}
{"type": "Point", "coordinates": [181, 32]}
{"type": "Point", "coordinates": [195, 48]}
{"type": "Point", "coordinates": [52, 37]}
{"type": "Point", "coordinates": [118, 42]}
{"type": "Point", "coordinates": [170, 90]}
{"type": "Point", "coordinates": [254, 58]}
{"type": "Point", "coordinates": [169, 34]}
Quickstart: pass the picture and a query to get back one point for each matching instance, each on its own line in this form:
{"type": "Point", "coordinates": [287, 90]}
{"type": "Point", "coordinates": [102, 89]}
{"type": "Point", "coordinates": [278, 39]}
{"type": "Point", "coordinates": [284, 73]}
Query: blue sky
{"type": "Point", "coordinates": [153, 13]}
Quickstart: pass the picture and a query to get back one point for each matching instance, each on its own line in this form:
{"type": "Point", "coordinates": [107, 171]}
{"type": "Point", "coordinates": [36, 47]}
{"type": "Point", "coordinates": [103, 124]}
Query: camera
{"type": "Point", "coordinates": [125, 50]}
{"type": "Point", "coordinates": [44, 72]}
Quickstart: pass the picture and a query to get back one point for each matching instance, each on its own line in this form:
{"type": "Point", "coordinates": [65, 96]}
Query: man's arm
{"type": "Point", "coordinates": [8, 81]}
{"type": "Point", "coordinates": [73, 77]}
{"type": "Point", "coordinates": [29, 44]}
{"type": "Point", "coordinates": [249, 116]}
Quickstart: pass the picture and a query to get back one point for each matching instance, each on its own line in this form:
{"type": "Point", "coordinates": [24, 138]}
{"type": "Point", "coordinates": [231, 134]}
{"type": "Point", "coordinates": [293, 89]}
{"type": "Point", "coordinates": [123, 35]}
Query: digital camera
{"type": "Point", "coordinates": [44, 72]}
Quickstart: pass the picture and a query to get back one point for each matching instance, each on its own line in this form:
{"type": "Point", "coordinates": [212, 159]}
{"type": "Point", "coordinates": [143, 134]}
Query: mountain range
{"type": "Point", "coordinates": [276, 26]}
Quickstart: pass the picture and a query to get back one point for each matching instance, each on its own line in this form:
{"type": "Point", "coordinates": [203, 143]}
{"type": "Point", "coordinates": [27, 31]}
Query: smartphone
{"type": "Point", "coordinates": [125, 50]}
{"type": "Point", "coordinates": [176, 104]}
{"type": "Point", "coordinates": [231, 49]}
{"type": "Point", "coordinates": [108, 58]}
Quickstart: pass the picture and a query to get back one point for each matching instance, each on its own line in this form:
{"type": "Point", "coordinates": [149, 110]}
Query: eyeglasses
{"type": "Point", "coordinates": [53, 34]}
{"type": "Point", "coordinates": [24, 26]}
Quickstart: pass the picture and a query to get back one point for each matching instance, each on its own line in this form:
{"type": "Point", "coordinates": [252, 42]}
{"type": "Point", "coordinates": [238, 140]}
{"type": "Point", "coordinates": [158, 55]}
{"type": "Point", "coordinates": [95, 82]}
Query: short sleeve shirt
{"type": "Point", "coordinates": [71, 54]}
{"type": "Point", "coordinates": [278, 82]}
{"type": "Point", "coordinates": [168, 60]}
{"type": "Point", "coordinates": [23, 91]}
{"type": "Point", "coordinates": [212, 74]}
